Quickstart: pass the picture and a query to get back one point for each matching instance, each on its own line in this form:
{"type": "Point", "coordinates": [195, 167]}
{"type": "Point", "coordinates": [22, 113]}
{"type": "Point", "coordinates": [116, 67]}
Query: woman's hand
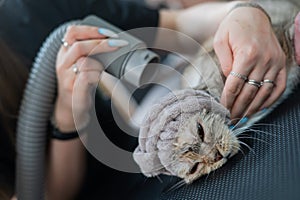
{"type": "Point", "coordinates": [78, 74]}
{"type": "Point", "coordinates": [297, 38]}
{"type": "Point", "coordinates": [248, 48]}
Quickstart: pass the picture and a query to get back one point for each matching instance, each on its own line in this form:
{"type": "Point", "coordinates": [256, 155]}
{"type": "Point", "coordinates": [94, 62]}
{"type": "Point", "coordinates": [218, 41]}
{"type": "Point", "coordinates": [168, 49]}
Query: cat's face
{"type": "Point", "coordinates": [204, 143]}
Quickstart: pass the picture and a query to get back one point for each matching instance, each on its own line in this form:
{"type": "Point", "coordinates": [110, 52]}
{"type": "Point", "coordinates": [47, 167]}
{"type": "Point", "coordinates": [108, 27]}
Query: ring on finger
{"type": "Point", "coordinates": [75, 69]}
{"type": "Point", "coordinates": [254, 83]}
{"type": "Point", "coordinates": [238, 75]}
{"type": "Point", "coordinates": [65, 43]}
{"type": "Point", "coordinates": [268, 81]}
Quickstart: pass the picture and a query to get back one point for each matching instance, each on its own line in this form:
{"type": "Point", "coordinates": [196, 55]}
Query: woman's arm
{"type": "Point", "coordinates": [199, 22]}
{"type": "Point", "coordinates": [66, 169]}
{"type": "Point", "coordinates": [67, 158]}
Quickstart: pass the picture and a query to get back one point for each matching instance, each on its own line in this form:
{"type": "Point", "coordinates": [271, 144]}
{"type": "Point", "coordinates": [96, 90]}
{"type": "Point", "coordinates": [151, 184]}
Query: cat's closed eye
{"type": "Point", "coordinates": [194, 168]}
{"type": "Point", "coordinates": [200, 131]}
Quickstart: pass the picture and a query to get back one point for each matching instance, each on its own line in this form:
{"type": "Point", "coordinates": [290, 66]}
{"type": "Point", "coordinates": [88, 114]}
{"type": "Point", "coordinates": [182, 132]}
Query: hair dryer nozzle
{"type": "Point", "coordinates": [131, 62]}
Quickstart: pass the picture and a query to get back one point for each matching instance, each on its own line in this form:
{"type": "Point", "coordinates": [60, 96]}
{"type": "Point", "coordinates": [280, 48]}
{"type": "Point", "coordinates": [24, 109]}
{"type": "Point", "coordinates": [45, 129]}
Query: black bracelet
{"type": "Point", "coordinates": [57, 134]}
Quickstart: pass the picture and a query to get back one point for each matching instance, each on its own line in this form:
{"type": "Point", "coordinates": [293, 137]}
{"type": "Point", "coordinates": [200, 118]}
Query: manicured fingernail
{"type": "Point", "coordinates": [117, 43]}
{"type": "Point", "coordinates": [108, 33]}
{"type": "Point", "coordinates": [264, 110]}
{"type": "Point", "coordinates": [244, 120]}
{"type": "Point", "coordinates": [231, 127]}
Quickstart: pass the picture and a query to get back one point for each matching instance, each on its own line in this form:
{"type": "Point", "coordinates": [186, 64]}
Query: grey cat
{"type": "Point", "coordinates": [186, 134]}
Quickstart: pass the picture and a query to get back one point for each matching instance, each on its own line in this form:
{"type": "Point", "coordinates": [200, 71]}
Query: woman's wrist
{"type": "Point", "coordinates": [247, 4]}
{"type": "Point", "coordinates": [168, 18]}
{"type": "Point", "coordinates": [63, 118]}
{"type": "Point", "coordinates": [68, 118]}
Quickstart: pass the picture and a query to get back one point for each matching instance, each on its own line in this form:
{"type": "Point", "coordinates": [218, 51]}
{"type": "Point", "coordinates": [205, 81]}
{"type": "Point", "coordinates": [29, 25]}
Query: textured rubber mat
{"type": "Point", "coordinates": [270, 169]}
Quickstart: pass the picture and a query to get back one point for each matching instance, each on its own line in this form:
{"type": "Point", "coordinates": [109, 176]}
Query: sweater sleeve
{"type": "Point", "coordinates": [7, 166]}
{"type": "Point", "coordinates": [25, 24]}
{"type": "Point", "coordinates": [124, 14]}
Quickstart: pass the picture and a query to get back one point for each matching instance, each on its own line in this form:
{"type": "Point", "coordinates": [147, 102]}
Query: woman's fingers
{"type": "Point", "coordinates": [278, 88]}
{"type": "Point", "coordinates": [243, 100]}
{"type": "Point", "coordinates": [250, 89]}
{"type": "Point", "coordinates": [262, 95]}
{"type": "Point", "coordinates": [87, 78]}
{"type": "Point", "coordinates": [82, 41]}
{"type": "Point", "coordinates": [259, 93]}
{"type": "Point", "coordinates": [79, 70]}
{"type": "Point", "coordinates": [90, 47]}
{"type": "Point", "coordinates": [245, 94]}
{"type": "Point", "coordinates": [232, 89]}
{"type": "Point", "coordinates": [66, 77]}
{"type": "Point", "coordinates": [77, 73]}
{"type": "Point", "coordinates": [85, 64]}
{"type": "Point", "coordinates": [242, 67]}
{"type": "Point", "coordinates": [82, 97]}
{"type": "Point", "coordinates": [224, 53]}
{"type": "Point", "coordinates": [83, 85]}
{"type": "Point", "coordinates": [77, 33]}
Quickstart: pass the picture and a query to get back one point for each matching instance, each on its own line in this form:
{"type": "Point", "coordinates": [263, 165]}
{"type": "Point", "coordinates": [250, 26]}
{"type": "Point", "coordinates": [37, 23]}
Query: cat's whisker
{"type": "Point", "coordinates": [254, 138]}
{"type": "Point", "coordinates": [207, 176]}
{"type": "Point", "coordinates": [176, 186]}
{"type": "Point", "coordinates": [159, 179]}
{"type": "Point", "coordinates": [236, 133]}
{"type": "Point", "coordinates": [159, 167]}
{"type": "Point", "coordinates": [246, 145]}
{"type": "Point", "coordinates": [244, 134]}
{"type": "Point", "coordinates": [239, 149]}
{"type": "Point", "coordinates": [214, 171]}
{"type": "Point", "coordinates": [265, 124]}
{"type": "Point", "coordinates": [239, 131]}
{"type": "Point", "coordinates": [265, 132]}
{"type": "Point", "coordinates": [146, 179]}
{"type": "Point", "coordinates": [236, 147]}
{"type": "Point", "coordinates": [251, 132]}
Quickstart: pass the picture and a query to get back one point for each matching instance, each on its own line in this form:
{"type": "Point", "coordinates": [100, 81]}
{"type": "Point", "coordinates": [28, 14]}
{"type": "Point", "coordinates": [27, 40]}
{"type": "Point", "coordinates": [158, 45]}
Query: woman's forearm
{"type": "Point", "coordinates": [65, 169]}
{"type": "Point", "coordinates": [199, 22]}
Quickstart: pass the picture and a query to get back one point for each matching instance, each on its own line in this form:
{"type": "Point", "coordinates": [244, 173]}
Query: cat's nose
{"type": "Point", "coordinates": [218, 156]}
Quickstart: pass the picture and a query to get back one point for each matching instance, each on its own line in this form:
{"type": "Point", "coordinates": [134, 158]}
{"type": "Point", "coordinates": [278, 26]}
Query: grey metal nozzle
{"type": "Point", "coordinates": [131, 62]}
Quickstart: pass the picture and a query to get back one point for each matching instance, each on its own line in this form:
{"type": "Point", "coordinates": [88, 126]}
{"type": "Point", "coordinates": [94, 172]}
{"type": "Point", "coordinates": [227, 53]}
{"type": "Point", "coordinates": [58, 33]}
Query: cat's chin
{"type": "Point", "coordinates": [203, 169]}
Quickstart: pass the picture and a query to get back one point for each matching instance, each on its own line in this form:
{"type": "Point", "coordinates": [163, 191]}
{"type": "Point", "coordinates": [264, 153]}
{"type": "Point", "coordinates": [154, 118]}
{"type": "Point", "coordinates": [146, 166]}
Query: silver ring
{"type": "Point", "coordinates": [75, 69]}
{"type": "Point", "coordinates": [268, 81]}
{"type": "Point", "coordinates": [254, 83]}
{"type": "Point", "coordinates": [65, 43]}
{"type": "Point", "coordinates": [238, 75]}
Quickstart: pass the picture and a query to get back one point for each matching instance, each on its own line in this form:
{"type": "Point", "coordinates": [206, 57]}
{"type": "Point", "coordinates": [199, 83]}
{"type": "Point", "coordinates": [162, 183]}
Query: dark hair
{"type": "Point", "coordinates": [4, 196]}
{"type": "Point", "coordinates": [13, 76]}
